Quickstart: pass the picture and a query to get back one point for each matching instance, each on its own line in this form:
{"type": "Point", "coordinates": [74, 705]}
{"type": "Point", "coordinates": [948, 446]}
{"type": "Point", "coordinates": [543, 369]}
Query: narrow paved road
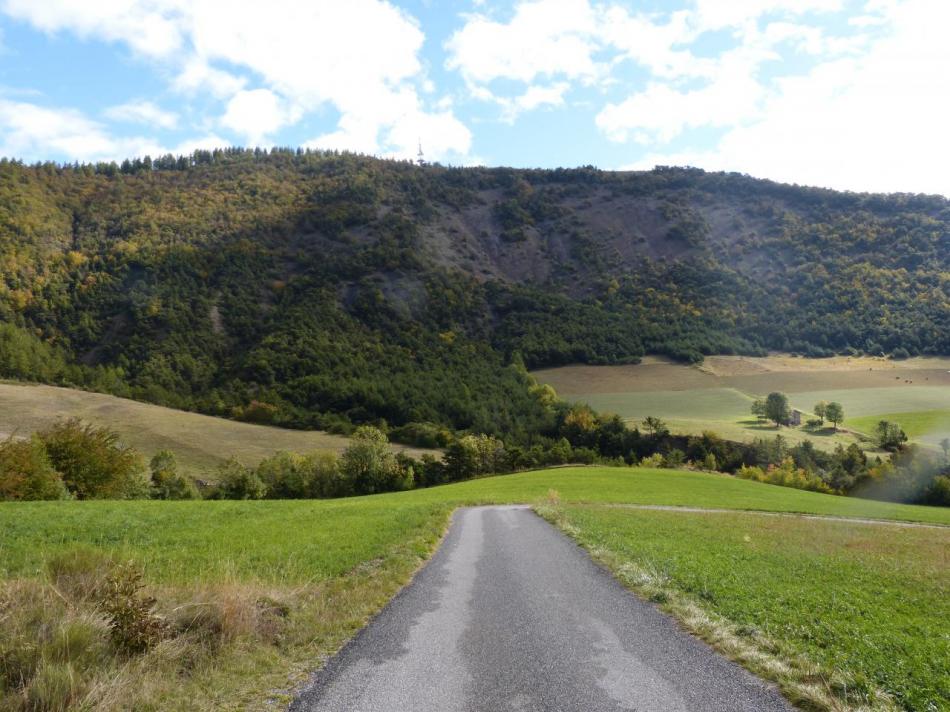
{"type": "Point", "coordinates": [512, 615]}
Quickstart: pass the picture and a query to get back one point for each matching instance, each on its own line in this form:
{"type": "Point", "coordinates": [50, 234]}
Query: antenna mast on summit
{"type": "Point", "coordinates": [421, 155]}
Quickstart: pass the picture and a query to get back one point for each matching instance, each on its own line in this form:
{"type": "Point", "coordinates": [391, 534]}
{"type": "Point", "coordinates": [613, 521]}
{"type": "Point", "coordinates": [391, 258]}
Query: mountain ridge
{"type": "Point", "coordinates": [319, 289]}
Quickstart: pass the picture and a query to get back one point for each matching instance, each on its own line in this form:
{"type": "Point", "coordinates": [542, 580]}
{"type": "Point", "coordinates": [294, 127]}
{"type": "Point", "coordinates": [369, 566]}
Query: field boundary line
{"type": "Point", "coordinates": [797, 515]}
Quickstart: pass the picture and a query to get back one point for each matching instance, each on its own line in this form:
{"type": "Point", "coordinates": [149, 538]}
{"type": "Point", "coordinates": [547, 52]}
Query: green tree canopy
{"type": "Point", "coordinates": [776, 408]}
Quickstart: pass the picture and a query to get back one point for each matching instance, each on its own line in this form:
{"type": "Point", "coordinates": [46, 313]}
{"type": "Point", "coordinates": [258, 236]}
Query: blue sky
{"type": "Point", "coordinates": [850, 94]}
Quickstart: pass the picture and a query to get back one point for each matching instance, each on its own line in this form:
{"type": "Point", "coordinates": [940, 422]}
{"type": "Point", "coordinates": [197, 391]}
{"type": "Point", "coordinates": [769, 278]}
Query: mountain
{"type": "Point", "coordinates": [315, 289]}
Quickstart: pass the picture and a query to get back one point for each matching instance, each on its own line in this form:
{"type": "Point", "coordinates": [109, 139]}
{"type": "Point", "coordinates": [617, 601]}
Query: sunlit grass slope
{"type": "Point", "coordinates": [305, 540]}
{"type": "Point", "coordinates": [334, 563]}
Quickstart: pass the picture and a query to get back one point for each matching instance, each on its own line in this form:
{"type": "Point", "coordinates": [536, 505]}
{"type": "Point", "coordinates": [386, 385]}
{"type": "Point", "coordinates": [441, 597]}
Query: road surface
{"type": "Point", "coordinates": [512, 615]}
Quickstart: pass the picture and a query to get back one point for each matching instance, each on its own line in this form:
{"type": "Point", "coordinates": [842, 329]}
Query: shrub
{"type": "Point", "coordinates": [709, 463]}
{"type": "Point", "coordinates": [26, 472]}
{"type": "Point", "coordinates": [92, 462]}
{"type": "Point", "coordinates": [284, 476]}
{"type": "Point", "coordinates": [370, 466]}
{"type": "Point", "coordinates": [325, 479]}
{"type": "Point", "coordinates": [235, 481]}
{"type": "Point", "coordinates": [674, 458]}
{"type": "Point", "coordinates": [133, 626]}
{"type": "Point", "coordinates": [654, 460]}
{"type": "Point", "coordinates": [939, 491]}
{"type": "Point", "coordinates": [785, 475]}
{"type": "Point", "coordinates": [167, 482]}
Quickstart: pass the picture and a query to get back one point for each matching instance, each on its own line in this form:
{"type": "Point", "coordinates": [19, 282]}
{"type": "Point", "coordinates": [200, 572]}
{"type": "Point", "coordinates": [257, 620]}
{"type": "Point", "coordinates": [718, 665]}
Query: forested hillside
{"type": "Point", "coordinates": [325, 290]}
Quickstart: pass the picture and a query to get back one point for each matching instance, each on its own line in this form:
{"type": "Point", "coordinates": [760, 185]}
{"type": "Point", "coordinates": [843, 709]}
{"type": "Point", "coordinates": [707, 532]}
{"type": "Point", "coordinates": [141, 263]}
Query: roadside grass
{"type": "Point", "coordinates": [832, 611]}
{"type": "Point", "coordinates": [197, 440]}
{"type": "Point", "coordinates": [255, 595]}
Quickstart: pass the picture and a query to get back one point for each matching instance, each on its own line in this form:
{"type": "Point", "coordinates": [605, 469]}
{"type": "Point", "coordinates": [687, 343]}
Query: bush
{"type": "Point", "coordinates": [939, 492]}
{"type": "Point", "coordinates": [674, 458]}
{"type": "Point", "coordinates": [654, 460]}
{"type": "Point", "coordinates": [900, 354]}
{"type": "Point", "coordinates": [26, 472]}
{"type": "Point", "coordinates": [235, 481]}
{"type": "Point", "coordinates": [370, 466]}
{"type": "Point", "coordinates": [785, 475]}
{"type": "Point", "coordinates": [92, 462]}
{"type": "Point", "coordinates": [133, 626]}
{"type": "Point", "coordinates": [167, 482]}
{"type": "Point", "coordinates": [325, 479]}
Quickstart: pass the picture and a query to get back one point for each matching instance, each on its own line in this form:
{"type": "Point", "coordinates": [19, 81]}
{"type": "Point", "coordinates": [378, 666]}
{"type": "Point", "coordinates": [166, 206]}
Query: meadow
{"type": "Point", "coordinates": [220, 570]}
{"type": "Point", "coordinates": [822, 596]}
{"type": "Point", "coordinates": [717, 394]}
{"type": "Point", "coordinates": [198, 441]}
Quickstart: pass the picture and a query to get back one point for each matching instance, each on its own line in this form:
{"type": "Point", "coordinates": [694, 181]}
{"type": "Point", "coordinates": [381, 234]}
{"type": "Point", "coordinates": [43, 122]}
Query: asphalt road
{"type": "Point", "coordinates": [512, 615]}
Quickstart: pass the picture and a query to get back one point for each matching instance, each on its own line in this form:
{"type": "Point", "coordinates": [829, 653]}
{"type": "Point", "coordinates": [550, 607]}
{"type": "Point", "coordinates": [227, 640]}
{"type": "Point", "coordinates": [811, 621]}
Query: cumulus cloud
{"type": "Point", "coordinates": [272, 63]}
{"type": "Point", "coordinates": [866, 123]}
{"type": "Point", "coordinates": [258, 113]}
{"type": "Point", "coordinates": [143, 112]}
{"type": "Point", "coordinates": [871, 122]}
{"type": "Point", "coordinates": [543, 38]}
{"type": "Point", "coordinates": [32, 131]}
{"type": "Point", "coordinates": [146, 27]}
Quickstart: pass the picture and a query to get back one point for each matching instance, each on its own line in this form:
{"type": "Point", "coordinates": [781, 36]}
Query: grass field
{"type": "Point", "coordinates": [334, 563]}
{"type": "Point", "coordinates": [197, 440]}
{"type": "Point", "coordinates": [874, 603]}
{"type": "Point", "coordinates": [930, 426]}
{"type": "Point", "coordinates": [716, 395]}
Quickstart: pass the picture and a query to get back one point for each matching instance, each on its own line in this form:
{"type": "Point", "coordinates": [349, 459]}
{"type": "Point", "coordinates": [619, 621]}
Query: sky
{"type": "Point", "coordinates": [847, 94]}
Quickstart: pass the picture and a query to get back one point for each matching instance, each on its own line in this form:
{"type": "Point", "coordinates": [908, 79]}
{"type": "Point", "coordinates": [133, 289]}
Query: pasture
{"type": "Point", "coordinates": [716, 395]}
{"type": "Point", "coordinates": [220, 570]}
{"type": "Point", "coordinates": [198, 441]}
{"type": "Point", "coordinates": [827, 593]}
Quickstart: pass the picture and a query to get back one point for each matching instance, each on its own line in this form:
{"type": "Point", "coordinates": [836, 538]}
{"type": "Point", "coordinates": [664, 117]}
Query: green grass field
{"type": "Point", "coordinates": [334, 563]}
{"type": "Point", "coordinates": [197, 440]}
{"type": "Point", "coordinates": [874, 603]}
{"type": "Point", "coordinates": [717, 395]}
{"type": "Point", "coordinates": [928, 426]}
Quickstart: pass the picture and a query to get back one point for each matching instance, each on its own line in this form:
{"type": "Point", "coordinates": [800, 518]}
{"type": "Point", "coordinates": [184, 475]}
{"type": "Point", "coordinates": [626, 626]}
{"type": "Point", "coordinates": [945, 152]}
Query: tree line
{"type": "Point", "coordinates": [75, 460]}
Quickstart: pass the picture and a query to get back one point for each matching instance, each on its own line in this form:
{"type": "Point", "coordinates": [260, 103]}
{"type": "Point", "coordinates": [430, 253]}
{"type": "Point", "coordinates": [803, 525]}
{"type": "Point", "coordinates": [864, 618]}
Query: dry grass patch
{"type": "Point", "coordinates": [200, 442]}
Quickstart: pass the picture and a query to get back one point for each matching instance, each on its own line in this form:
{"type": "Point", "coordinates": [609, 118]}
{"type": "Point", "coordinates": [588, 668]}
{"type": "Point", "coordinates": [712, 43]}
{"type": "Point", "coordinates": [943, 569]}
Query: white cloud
{"type": "Point", "coordinates": [33, 132]}
{"type": "Point", "coordinates": [257, 113]}
{"type": "Point", "coordinates": [303, 56]}
{"type": "Point", "coordinates": [732, 96]}
{"type": "Point", "coordinates": [869, 123]}
{"type": "Point", "coordinates": [533, 98]}
{"type": "Point", "coordinates": [197, 75]}
{"type": "Point", "coordinates": [544, 38]}
{"type": "Point", "coordinates": [146, 27]}
{"type": "Point", "coordinates": [406, 125]}
{"type": "Point", "coordinates": [143, 112]}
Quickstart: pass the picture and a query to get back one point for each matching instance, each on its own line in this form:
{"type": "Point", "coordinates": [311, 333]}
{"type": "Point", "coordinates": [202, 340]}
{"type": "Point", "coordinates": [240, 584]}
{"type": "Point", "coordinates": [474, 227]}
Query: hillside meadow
{"type": "Point", "coordinates": [254, 595]}
{"type": "Point", "coordinates": [717, 394]}
{"type": "Point", "coordinates": [197, 440]}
